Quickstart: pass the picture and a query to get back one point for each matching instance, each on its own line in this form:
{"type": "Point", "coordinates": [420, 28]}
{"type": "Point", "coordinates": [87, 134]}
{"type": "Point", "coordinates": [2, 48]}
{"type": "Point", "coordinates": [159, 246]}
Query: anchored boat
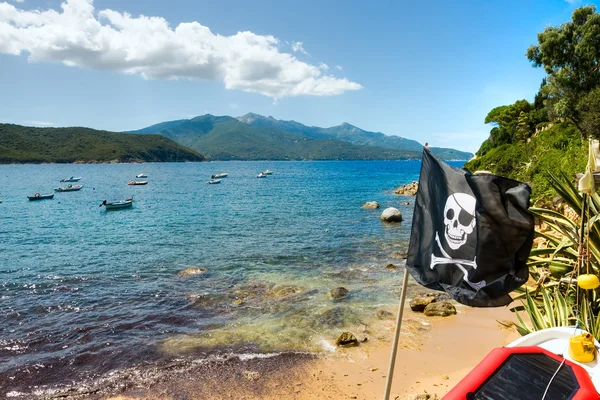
{"type": "Point", "coordinates": [71, 179]}
{"type": "Point", "coordinates": [39, 196]}
{"type": "Point", "coordinates": [116, 205]}
{"type": "Point", "coordinates": [68, 188]}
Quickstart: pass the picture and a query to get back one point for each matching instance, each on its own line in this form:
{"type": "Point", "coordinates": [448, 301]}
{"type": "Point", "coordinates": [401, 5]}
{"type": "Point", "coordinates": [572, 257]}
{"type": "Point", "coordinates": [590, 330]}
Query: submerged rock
{"type": "Point", "coordinates": [391, 266]}
{"type": "Point", "coordinates": [391, 214]}
{"type": "Point", "coordinates": [284, 292]}
{"type": "Point", "coordinates": [191, 271]}
{"type": "Point", "coordinates": [347, 339]}
{"type": "Point", "coordinates": [338, 293]}
{"type": "Point", "coordinates": [400, 254]}
{"type": "Point", "coordinates": [383, 314]}
{"type": "Point", "coordinates": [442, 309]}
{"type": "Point", "coordinates": [371, 205]}
{"type": "Point", "coordinates": [335, 318]}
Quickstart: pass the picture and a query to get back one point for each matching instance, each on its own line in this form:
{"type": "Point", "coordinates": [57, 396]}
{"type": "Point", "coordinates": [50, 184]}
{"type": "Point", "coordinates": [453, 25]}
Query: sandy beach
{"type": "Point", "coordinates": [434, 354]}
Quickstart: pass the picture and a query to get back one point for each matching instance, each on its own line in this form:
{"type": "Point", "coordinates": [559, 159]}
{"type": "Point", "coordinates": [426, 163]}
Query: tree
{"type": "Point", "coordinates": [589, 113]}
{"type": "Point", "coordinates": [570, 54]}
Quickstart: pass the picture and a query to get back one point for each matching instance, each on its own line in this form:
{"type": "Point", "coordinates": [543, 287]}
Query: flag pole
{"type": "Point", "coordinates": [388, 383]}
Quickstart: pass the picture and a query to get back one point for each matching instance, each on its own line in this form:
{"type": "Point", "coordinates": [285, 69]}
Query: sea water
{"type": "Point", "coordinates": [85, 291]}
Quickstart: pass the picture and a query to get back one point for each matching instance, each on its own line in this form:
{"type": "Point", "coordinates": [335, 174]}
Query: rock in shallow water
{"type": "Point", "coordinates": [191, 271]}
{"type": "Point", "coordinates": [338, 293]}
{"type": "Point", "coordinates": [383, 314]}
{"type": "Point", "coordinates": [346, 339]}
{"type": "Point", "coordinates": [391, 214]}
{"type": "Point", "coordinates": [371, 204]}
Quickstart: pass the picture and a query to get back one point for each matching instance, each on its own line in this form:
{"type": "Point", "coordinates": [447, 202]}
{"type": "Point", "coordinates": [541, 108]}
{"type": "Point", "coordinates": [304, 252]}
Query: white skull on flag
{"type": "Point", "coordinates": [459, 219]}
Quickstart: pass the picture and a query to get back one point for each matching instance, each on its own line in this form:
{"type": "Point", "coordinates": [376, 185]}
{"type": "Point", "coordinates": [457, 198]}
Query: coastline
{"type": "Point", "coordinates": [429, 361]}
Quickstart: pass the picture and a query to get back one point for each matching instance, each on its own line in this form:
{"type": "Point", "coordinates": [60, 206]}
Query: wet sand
{"type": "Point", "coordinates": [431, 359]}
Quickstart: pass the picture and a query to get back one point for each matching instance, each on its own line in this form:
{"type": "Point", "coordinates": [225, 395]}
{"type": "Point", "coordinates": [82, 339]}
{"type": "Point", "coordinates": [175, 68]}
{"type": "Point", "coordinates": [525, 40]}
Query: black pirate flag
{"type": "Point", "coordinates": [471, 234]}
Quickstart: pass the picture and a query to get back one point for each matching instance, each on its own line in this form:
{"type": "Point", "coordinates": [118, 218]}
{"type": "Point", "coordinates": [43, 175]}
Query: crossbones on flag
{"type": "Point", "coordinates": [471, 234]}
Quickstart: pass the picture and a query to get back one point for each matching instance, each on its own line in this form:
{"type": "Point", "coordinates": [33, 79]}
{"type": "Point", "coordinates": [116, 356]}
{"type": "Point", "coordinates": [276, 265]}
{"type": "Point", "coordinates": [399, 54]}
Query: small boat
{"type": "Point", "coordinates": [267, 172]}
{"type": "Point", "coordinates": [116, 205]}
{"type": "Point", "coordinates": [213, 181]}
{"type": "Point", "coordinates": [141, 176]}
{"type": "Point", "coordinates": [261, 175]}
{"type": "Point", "coordinates": [71, 179]}
{"type": "Point", "coordinates": [68, 188]}
{"type": "Point", "coordinates": [39, 196]}
{"type": "Point", "coordinates": [219, 176]}
{"type": "Point", "coordinates": [138, 183]}
{"type": "Point", "coordinates": [538, 363]}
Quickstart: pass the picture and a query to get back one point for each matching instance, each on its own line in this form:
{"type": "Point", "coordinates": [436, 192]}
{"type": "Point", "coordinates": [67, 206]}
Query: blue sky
{"type": "Point", "coordinates": [428, 71]}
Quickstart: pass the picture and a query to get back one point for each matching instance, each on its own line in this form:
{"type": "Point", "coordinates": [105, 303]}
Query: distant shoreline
{"type": "Point", "coordinates": [203, 161]}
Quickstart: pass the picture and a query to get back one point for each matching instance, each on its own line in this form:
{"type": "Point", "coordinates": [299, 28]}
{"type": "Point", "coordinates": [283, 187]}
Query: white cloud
{"type": "Point", "coordinates": [297, 46]}
{"type": "Point", "coordinates": [81, 36]}
{"type": "Point", "coordinates": [39, 123]}
{"type": "Point", "coordinates": [19, 1]}
{"type": "Point", "coordinates": [339, 67]}
{"type": "Point", "coordinates": [324, 66]}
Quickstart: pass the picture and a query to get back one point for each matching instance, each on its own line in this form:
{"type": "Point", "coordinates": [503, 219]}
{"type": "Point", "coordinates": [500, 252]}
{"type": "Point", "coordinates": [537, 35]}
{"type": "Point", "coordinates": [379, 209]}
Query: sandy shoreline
{"type": "Point", "coordinates": [431, 359]}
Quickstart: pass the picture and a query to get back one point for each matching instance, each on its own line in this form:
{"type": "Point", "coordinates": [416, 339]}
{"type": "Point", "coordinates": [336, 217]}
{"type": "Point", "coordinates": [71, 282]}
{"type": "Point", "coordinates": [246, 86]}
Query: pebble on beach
{"type": "Point", "coordinates": [442, 309]}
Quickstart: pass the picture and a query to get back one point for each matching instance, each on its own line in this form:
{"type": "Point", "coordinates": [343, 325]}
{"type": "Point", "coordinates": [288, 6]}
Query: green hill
{"type": "Point", "coordinates": [352, 134]}
{"type": "Point", "coordinates": [23, 144]}
{"type": "Point", "coordinates": [226, 138]}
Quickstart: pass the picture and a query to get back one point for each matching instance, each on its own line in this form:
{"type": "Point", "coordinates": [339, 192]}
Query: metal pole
{"type": "Point", "coordinates": [388, 383]}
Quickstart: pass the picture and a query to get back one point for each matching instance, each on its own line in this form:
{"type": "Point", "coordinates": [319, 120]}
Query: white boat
{"type": "Point", "coordinates": [219, 176]}
{"type": "Point", "coordinates": [71, 179]}
{"type": "Point", "coordinates": [556, 340]}
{"type": "Point", "coordinates": [141, 176]}
{"type": "Point", "coordinates": [213, 181]}
{"type": "Point", "coordinates": [261, 175]}
{"type": "Point", "coordinates": [134, 183]}
{"type": "Point", "coordinates": [115, 205]}
{"type": "Point", "coordinates": [267, 172]}
{"type": "Point", "coordinates": [536, 366]}
{"type": "Point", "coordinates": [68, 188]}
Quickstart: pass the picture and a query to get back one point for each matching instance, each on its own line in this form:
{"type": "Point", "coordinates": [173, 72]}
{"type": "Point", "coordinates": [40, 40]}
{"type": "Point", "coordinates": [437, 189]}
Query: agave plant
{"type": "Point", "coordinates": [555, 300]}
{"type": "Point", "coordinates": [554, 311]}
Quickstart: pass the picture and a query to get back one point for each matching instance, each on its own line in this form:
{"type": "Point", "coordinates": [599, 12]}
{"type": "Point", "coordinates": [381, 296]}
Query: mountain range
{"type": "Point", "coordinates": [255, 137]}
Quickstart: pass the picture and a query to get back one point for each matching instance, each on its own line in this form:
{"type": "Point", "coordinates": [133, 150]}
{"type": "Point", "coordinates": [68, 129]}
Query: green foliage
{"type": "Point", "coordinates": [555, 266]}
{"type": "Point", "coordinates": [569, 54]}
{"type": "Point", "coordinates": [22, 144]}
{"type": "Point", "coordinates": [555, 150]}
{"type": "Point", "coordinates": [589, 113]}
{"type": "Point", "coordinates": [548, 308]}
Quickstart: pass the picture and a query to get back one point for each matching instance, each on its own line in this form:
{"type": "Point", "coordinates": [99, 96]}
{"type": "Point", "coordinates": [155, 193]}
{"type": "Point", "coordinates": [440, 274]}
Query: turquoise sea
{"type": "Point", "coordinates": [85, 292]}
